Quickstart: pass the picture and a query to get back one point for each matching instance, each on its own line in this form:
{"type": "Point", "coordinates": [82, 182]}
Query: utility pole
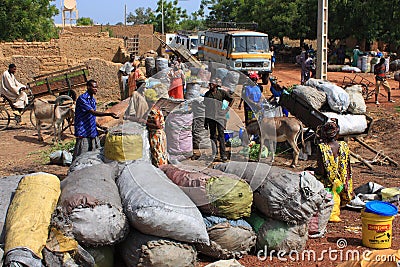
{"type": "Point", "coordinates": [125, 16]}
{"type": "Point", "coordinates": [162, 16]}
{"type": "Point", "coordinates": [322, 40]}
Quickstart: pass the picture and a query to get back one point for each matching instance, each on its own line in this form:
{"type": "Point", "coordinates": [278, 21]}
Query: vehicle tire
{"type": "Point", "coordinates": [4, 118]}
{"type": "Point", "coordinates": [32, 118]}
{"type": "Point", "coordinates": [265, 78]}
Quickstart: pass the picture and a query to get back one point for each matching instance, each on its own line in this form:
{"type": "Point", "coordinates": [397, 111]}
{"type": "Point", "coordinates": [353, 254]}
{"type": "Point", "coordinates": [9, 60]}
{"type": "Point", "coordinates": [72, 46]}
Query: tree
{"type": "Point", "coordinates": [142, 16]}
{"type": "Point", "coordinates": [172, 16]}
{"type": "Point", "coordinates": [27, 20]}
{"type": "Point", "coordinates": [84, 22]}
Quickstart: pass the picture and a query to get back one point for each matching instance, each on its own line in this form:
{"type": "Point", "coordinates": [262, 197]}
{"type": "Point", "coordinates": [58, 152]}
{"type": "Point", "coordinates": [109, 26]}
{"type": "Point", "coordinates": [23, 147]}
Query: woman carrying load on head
{"type": "Point", "coordinates": [155, 126]}
{"type": "Point", "coordinates": [334, 169]}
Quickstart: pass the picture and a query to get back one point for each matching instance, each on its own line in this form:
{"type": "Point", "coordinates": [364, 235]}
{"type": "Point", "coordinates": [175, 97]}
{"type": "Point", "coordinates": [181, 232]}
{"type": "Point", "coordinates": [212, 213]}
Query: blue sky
{"type": "Point", "coordinates": [112, 11]}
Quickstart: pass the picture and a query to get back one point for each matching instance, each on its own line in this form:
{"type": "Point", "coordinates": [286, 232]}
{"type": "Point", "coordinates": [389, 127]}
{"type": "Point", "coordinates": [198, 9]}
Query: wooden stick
{"type": "Point", "coordinates": [362, 160]}
{"type": "Point", "coordinates": [377, 152]}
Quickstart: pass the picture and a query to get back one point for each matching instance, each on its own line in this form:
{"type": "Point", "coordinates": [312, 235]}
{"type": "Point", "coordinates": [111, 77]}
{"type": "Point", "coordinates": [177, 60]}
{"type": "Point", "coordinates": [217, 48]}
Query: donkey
{"type": "Point", "coordinates": [278, 129]}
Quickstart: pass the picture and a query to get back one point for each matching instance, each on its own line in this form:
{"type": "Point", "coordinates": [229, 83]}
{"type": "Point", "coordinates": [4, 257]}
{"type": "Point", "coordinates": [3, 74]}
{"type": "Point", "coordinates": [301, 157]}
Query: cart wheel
{"type": "Point", "coordinates": [365, 91]}
{"type": "Point", "coordinates": [45, 126]}
{"type": "Point", "coordinates": [4, 118]}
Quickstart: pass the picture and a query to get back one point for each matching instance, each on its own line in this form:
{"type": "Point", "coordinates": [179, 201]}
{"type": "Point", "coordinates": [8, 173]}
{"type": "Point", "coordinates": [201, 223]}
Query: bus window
{"type": "Point", "coordinates": [193, 43]}
{"type": "Point", "coordinates": [239, 44]}
{"type": "Point", "coordinates": [257, 43]}
{"type": "Point", "coordinates": [225, 43]}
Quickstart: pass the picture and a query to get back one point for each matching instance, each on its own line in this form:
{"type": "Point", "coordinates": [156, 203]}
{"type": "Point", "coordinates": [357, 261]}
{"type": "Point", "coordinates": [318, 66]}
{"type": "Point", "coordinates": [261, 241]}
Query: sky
{"type": "Point", "coordinates": [112, 11]}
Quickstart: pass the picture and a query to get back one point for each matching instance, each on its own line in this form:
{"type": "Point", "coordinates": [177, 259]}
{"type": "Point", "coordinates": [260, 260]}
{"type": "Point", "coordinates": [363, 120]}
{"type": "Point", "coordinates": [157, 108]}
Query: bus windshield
{"type": "Point", "coordinates": [194, 42]}
{"type": "Point", "coordinates": [250, 44]}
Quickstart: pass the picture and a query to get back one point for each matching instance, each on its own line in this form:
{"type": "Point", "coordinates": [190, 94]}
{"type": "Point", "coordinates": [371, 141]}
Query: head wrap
{"type": "Point", "coordinates": [329, 130]}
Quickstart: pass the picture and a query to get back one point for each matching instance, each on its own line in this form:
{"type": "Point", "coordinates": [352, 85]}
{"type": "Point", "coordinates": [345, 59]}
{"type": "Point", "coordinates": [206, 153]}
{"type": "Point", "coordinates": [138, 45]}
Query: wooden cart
{"type": "Point", "coordinates": [313, 118]}
{"type": "Point", "coordinates": [59, 82]}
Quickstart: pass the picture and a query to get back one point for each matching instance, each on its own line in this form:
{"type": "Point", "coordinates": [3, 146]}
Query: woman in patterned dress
{"type": "Point", "coordinates": [157, 137]}
{"type": "Point", "coordinates": [334, 169]}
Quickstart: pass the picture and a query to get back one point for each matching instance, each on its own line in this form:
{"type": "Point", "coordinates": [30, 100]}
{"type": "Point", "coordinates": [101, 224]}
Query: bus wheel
{"type": "Point", "coordinates": [264, 78]}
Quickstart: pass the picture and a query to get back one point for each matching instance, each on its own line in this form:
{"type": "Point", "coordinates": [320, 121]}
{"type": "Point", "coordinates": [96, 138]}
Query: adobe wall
{"type": "Point", "coordinates": [116, 30]}
{"type": "Point", "coordinates": [103, 55]}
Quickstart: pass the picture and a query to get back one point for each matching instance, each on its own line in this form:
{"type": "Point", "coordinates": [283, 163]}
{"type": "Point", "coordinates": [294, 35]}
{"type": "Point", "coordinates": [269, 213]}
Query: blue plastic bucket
{"type": "Point", "coordinates": [228, 134]}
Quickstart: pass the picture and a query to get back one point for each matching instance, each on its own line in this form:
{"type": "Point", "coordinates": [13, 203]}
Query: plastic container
{"type": "Point", "coordinates": [377, 221]}
{"type": "Point", "coordinates": [228, 134]}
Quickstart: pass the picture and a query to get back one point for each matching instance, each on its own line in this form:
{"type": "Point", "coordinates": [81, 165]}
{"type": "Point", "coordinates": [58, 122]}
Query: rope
{"type": "Point", "coordinates": [292, 147]}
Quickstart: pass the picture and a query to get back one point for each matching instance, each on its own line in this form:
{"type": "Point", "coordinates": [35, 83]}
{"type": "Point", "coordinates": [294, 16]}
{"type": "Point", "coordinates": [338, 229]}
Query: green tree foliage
{"type": "Point", "coordinates": [141, 16]}
{"type": "Point", "coordinates": [84, 22]}
{"type": "Point", "coordinates": [173, 15]}
{"type": "Point", "coordinates": [365, 20]}
{"type": "Point", "coordinates": [30, 20]}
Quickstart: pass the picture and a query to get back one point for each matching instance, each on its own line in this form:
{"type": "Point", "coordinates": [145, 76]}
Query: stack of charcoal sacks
{"type": "Point", "coordinates": [284, 203]}
{"type": "Point", "coordinates": [224, 200]}
{"type": "Point", "coordinates": [164, 222]}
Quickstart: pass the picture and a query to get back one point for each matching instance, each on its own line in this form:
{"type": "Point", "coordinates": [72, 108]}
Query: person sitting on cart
{"type": "Point", "coordinates": [13, 90]}
{"type": "Point", "coordinates": [251, 96]}
{"type": "Point", "coordinates": [380, 79]}
{"type": "Point", "coordinates": [85, 120]}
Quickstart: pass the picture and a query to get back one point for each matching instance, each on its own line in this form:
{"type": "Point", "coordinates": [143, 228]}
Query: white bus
{"type": "Point", "coordinates": [242, 50]}
{"type": "Point", "coordinates": [184, 39]}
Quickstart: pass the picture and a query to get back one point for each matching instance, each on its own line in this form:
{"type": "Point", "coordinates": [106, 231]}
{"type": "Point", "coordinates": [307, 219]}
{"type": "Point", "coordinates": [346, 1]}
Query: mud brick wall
{"type": "Point", "coordinates": [81, 46]}
{"type": "Point", "coordinates": [116, 30]}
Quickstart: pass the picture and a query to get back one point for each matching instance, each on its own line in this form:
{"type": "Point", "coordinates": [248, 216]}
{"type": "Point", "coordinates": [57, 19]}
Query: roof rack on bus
{"type": "Point", "coordinates": [230, 25]}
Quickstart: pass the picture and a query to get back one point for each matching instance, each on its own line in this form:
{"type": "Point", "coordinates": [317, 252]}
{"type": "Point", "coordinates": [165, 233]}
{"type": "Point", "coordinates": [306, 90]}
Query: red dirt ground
{"type": "Point", "coordinates": [21, 154]}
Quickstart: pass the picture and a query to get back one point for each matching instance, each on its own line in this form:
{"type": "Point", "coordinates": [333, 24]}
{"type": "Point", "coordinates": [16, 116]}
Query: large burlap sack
{"type": "Point", "coordinates": [150, 64]}
{"type": "Point", "coordinates": [338, 98]}
{"type": "Point", "coordinates": [103, 256]}
{"type": "Point", "coordinates": [315, 82]}
{"type": "Point", "coordinates": [154, 205]}
{"type": "Point", "coordinates": [128, 141]}
{"type": "Point", "coordinates": [275, 235]}
{"type": "Point", "coordinates": [213, 191]}
{"type": "Point", "coordinates": [178, 129]}
{"type": "Point", "coordinates": [87, 159]}
{"type": "Point", "coordinates": [357, 102]}
{"type": "Point", "coordinates": [201, 136]}
{"type": "Point", "coordinates": [161, 64]}
{"type": "Point", "coordinates": [8, 185]}
{"type": "Point", "coordinates": [281, 194]}
{"type": "Point", "coordinates": [192, 90]}
{"type": "Point", "coordinates": [152, 251]}
{"type": "Point", "coordinates": [311, 95]}
{"type": "Point", "coordinates": [228, 238]}
{"type": "Point", "coordinates": [90, 200]}
{"type": "Point", "coordinates": [318, 223]}
{"type": "Point", "coordinates": [349, 123]}
{"type": "Point", "coordinates": [26, 228]}
{"type": "Point", "coordinates": [220, 73]}
{"type": "Point", "coordinates": [231, 80]}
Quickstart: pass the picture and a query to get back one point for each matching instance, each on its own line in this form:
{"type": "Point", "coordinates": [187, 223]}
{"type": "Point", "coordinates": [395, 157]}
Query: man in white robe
{"type": "Point", "coordinates": [13, 89]}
